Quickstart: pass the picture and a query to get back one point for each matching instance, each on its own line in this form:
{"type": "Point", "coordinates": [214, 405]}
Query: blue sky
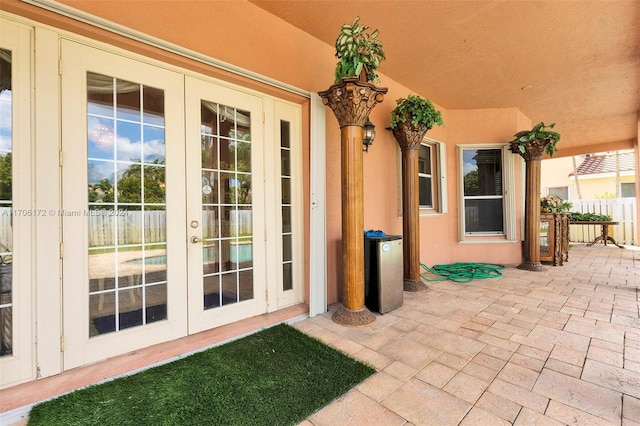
{"type": "Point", "coordinates": [5, 120]}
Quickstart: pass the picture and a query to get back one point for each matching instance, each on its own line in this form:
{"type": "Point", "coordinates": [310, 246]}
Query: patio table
{"type": "Point", "coordinates": [604, 234]}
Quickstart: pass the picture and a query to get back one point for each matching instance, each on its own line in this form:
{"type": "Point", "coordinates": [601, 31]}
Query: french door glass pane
{"type": "Point", "coordinates": [6, 213]}
{"type": "Point", "coordinates": [127, 204]}
{"type": "Point", "coordinates": [227, 212]}
{"type": "Point", "coordinates": [285, 183]}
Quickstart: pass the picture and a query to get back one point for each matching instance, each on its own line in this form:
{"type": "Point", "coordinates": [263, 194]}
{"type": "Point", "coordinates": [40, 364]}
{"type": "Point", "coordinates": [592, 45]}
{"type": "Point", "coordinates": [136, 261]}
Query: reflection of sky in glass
{"type": "Point", "coordinates": [153, 144]}
{"type": "Point", "coordinates": [150, 118]}
{"type": "Point", "coordinates": [100, 109]}
{"type": "Point", "coordinates": [5, 120]}
{"type": "Point", "coordinates": [99, 170]}
{"type": "Point", "coordinates": [128, 140]}
{"type": "Point", "coordinates": [469, 163]}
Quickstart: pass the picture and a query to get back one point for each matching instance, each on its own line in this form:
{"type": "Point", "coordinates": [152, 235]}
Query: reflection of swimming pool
{"type": "Point", "coordinates": [242, 252]}
{"type": "Point", "coordinates": [153, 260]}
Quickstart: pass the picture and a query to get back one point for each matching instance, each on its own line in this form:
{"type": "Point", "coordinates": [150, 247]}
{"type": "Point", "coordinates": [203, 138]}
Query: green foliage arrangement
{"type": "Point", "coordinates": [5, 177]}
{"type": "Point", "coordinates": [539, 132]}
{"type": "Point", "coordinates": [130, 187]}
{"type": "Point", "coordinates": [418, 110]}
{"type": "Point", "coordinates": [588, 217]}
{"type": "Point", "coordinates": [356, 50]}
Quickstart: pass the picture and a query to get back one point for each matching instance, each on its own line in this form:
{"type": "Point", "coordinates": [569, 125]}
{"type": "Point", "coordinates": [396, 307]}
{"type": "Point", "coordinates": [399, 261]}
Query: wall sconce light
{"type": "Point", "coordinates": [369, 135]}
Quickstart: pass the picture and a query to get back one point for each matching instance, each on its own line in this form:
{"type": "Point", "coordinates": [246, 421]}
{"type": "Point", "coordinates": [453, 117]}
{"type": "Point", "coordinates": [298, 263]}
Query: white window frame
{"type": "Point", "coordinates": [438, 178]}
{"type": "Point", "coordinates": [508, 196]}
{"type": "Point", "coordinates": [552, 191]}
{"type": "Point", "coordinates": [633, 184]}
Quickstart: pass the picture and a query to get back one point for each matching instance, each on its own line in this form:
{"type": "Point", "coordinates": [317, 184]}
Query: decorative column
{"type": "Point", "coordinates": [409, 138]}
{"type": "Point", "coordinates": [351, 101]}
{"type": "Point", "coordinates": [532, 156]}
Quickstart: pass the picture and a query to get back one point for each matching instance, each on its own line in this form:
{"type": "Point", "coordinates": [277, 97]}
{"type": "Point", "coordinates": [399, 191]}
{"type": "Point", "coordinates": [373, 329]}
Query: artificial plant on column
{"type": "Point", "coordinates": [351, 99]}
{"type": "Point", "coordinates": [530, 145]}
{"type": "Point", "coordinates": [410, 121]}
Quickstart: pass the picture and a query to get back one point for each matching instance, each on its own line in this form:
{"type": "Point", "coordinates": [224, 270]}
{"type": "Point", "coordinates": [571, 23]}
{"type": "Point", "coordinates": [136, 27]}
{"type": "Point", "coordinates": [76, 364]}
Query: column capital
{"type": "Point", "coordinates": [533, 150]}
{"type": "Point", "coordinates": [409, 136]}
{"type": "Point", "coordinates": [352, 100]}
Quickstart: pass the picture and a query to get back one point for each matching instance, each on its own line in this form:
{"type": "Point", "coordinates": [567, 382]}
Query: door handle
{"type": "Point", "coordinates": [195, 240]}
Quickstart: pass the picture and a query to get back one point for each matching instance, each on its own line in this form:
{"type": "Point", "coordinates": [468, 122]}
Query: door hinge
{"type": "Point", "coordinates": [61, 343]}
{"type": "Point", "coordinates": [59, 66]}
{"type": "Point", "coordinates": [60, 158]}
{"type": "Point", "coordinates": [266, 295]}
{"type": "Point", "coordinates": [61, 250]}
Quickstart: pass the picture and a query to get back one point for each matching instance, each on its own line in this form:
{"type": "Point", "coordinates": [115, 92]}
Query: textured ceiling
{"type": "Point", "coordinates": [575, 63]}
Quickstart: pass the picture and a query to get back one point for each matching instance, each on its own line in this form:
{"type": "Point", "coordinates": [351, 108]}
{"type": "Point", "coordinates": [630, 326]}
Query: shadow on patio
{"type": "Point", "coordinates": [560, 346]}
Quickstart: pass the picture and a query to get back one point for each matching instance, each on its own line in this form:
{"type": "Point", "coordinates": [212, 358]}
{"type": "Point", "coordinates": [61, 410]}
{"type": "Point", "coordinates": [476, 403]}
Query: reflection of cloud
{"type": "Point", "coordinates": [469, 167]}
{"type": "Point", "coordinates": [154, 149]}
{"type": "Point", "coordinates": [5, 112]}
{"type": "Point", "coordinates": [468, 162]}
{"type": "Point", "coordinates": [101, 137]}
{"type": "Point", "coordinates": [100, 134]}
{"type": "Point", "coordinates": [99, 170]}
{"type": "Point", "coordinates": [128, 149]}
{"type": "Point", "coordinates": [131, 150]}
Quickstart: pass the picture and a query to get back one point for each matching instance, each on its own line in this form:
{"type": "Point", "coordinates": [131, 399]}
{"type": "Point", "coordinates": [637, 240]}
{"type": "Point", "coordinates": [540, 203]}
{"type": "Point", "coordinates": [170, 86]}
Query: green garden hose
{"type": "Point", "coordinates": [463, 272]}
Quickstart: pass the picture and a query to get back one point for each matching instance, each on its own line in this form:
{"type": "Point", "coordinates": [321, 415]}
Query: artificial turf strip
{"type": "Point", "coordinates": [278, 376]}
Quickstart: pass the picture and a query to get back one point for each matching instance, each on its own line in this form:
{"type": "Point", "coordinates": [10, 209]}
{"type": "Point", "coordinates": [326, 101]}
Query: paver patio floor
{"type": "Point", "coordinates": [561, 346]}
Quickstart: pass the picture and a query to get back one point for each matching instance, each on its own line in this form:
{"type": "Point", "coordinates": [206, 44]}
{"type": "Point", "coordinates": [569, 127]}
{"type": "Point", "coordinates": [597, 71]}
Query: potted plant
{"type": "Point", "coordinates": [554, 204]}
{"type": "Point", "coordinates": [359, 52]}
{"type": "Point", "coordinates": [540, 134]}
{"type": "Point", "coordinates": [412, 118]}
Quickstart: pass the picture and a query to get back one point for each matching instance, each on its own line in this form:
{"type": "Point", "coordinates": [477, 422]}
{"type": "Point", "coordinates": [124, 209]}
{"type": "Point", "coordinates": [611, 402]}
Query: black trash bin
{"type": "Point", "coordinates": [383, 272]}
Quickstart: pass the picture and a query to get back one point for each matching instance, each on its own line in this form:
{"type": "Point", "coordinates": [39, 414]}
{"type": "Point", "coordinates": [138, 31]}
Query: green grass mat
{"type": "Point", "coordinates": [278, 376]}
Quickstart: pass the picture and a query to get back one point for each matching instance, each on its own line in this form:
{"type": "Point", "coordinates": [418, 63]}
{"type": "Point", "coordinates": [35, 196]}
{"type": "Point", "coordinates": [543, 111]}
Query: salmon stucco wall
{"type": "Point", "coordinates": [440, 239]}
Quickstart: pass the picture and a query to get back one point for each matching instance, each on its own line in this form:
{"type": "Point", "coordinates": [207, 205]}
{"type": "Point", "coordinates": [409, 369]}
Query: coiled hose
{"type": "Point", "coordinates": [462, 272]}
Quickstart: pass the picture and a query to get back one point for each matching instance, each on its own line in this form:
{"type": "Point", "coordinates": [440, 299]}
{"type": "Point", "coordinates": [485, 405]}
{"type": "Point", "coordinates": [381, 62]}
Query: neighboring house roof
{"type": "Point", "coordinates": [606, 163]}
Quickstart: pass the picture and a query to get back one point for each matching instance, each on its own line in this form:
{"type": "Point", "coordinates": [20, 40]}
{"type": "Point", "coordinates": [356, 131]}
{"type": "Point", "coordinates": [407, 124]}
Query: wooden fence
{"type": "Point", "coordinates": [622, 210]}
{"type": "Point", "coordinates": [102, 230]}
{"type": "Point", "coordinates": [130, 225]}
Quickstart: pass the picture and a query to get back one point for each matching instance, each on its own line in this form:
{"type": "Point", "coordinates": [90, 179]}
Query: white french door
{"type": "Point", "coordinates": [225, 204]}
{"type": "Point", "coordinates": [181, 204]}
{"type": "Point", "coordinates": [124, 265]}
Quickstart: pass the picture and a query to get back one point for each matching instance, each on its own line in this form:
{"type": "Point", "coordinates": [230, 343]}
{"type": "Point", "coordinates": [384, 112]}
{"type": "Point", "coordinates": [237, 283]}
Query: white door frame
{"type": "Point", "coordinates": [19, 366]}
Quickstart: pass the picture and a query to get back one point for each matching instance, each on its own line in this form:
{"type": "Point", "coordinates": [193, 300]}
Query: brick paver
{"type": "Point", "coordinates": [560, 346]}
